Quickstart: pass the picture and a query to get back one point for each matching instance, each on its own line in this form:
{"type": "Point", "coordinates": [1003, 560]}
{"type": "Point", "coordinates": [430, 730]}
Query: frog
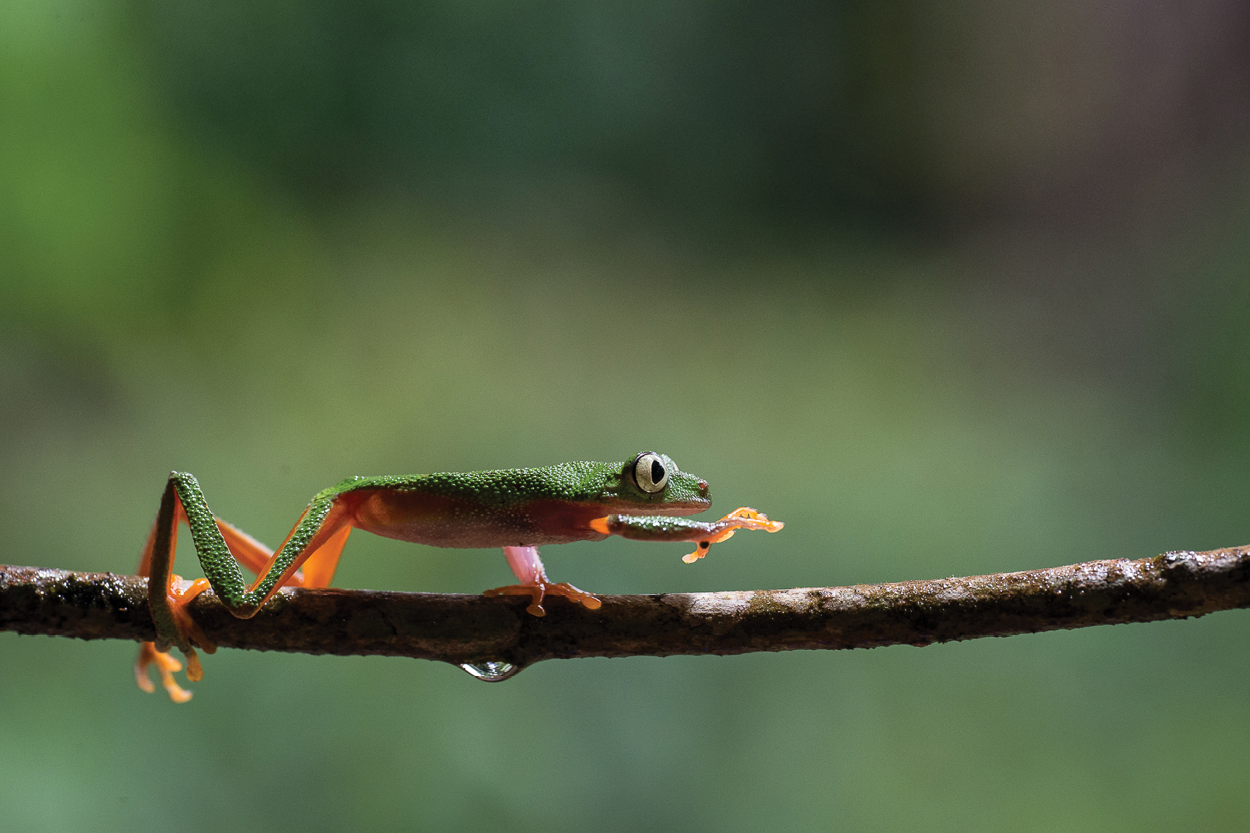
{"type": "Point", "coordinates": [645, 498]}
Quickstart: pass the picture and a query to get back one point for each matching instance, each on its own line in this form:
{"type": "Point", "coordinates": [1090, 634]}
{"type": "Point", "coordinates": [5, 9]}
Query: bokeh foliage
{"type": "Point", "coordinates": [948, 288]}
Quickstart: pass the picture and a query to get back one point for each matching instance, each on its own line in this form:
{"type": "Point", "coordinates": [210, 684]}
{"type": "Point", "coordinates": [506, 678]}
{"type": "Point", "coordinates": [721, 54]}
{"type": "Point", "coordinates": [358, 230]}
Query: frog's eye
{"type": "Point", "coordinates": [650, 472]}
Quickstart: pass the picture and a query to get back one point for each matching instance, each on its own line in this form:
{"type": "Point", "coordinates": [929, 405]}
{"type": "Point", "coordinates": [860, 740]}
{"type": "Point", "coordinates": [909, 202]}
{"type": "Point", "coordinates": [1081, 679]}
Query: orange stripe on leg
{"type": "Point", "coordinates": [332, 529]}
{"type": "Point", "coordinates": [320, 566]}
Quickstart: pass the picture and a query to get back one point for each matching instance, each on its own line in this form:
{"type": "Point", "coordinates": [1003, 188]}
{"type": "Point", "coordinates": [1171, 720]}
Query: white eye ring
{"type": "Point", "coordinates": [650, 472]}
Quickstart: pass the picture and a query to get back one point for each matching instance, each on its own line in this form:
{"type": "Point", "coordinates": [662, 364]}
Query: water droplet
{"type": "Point", "coordinates": [491, 671]}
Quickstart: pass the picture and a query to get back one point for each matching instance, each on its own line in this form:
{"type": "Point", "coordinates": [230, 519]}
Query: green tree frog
{"type": "Point", "coordinates": [516, 509]}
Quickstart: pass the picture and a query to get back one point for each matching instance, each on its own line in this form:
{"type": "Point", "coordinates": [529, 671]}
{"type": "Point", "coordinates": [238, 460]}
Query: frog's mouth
{"type": "Point", "coordinates": [688, 506]}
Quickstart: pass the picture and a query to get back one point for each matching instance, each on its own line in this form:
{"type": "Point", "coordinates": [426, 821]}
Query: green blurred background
{"type": "Point", "coordinates": [948, 288]}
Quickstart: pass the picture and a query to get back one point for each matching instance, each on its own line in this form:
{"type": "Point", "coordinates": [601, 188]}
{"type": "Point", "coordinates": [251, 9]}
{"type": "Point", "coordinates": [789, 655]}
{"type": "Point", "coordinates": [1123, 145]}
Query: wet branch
{"type": "Point", "coordinates": [471, 628]}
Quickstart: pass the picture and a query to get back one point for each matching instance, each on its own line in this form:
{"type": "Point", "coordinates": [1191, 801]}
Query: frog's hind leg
{"type": "Point", "coordinates": [528, 568]}
{"type": "Point", "coordinates": [318, 569]}
{"type": "Point", "coordinates": [174, 594]}
{"type": "Point", "coordinates": [248, 551]}
{"type": "Point", "coordinates": [317, 539]}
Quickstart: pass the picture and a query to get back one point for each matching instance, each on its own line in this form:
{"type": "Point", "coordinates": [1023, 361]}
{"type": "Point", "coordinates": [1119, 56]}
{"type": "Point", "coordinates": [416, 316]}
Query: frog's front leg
{"type": "Point", "coordinates": [703, 533]}
{"type": "Point", "coordinates": [528, 568]}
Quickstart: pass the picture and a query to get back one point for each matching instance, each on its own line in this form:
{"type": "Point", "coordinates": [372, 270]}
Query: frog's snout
{"type": "Point", "coordinates": [703, 496]}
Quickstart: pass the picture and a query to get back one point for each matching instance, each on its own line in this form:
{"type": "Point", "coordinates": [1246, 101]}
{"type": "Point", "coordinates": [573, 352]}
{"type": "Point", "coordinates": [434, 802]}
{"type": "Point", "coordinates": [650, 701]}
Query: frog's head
{"type": "Point", "coordinates": [651, 484]}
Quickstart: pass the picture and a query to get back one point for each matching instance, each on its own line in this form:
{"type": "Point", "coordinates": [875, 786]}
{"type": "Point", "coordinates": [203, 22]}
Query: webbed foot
{"type": "Point", "coordinates": [165, 667]}
{"type": "Point", "coordinates": [742, 518]}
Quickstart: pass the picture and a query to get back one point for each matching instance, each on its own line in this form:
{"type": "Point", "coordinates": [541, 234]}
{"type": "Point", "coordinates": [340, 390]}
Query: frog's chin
{"type": "Point", "coordinates": [671, 507]}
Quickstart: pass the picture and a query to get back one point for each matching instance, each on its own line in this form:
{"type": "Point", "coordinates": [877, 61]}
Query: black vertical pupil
{"type": "Point", "coordinates": [657, 471]}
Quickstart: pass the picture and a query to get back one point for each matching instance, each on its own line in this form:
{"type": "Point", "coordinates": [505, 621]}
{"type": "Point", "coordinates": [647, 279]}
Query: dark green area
{"type": "Point", "coordinates": [947, 288]}
{"type": "Point", "coordinates": [572, 480]}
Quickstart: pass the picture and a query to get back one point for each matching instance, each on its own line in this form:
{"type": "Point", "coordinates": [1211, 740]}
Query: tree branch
{"type": "Point", "coordinates": [473, 629]}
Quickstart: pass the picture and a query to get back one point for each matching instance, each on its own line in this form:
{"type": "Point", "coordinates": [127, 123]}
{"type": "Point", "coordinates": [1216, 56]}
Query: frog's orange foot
{"type": "Point", "coordinates": [178, 597]}
{"type": "Point", "coordinates": [742, 518]}
{"type": "Point", "coordinates": [165, 667]}
{"type": "Point", "coordinates": [540, 589]}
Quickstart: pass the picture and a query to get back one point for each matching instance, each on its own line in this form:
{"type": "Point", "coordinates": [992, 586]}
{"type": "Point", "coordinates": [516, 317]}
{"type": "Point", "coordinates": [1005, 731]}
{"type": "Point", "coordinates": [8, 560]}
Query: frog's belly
{"type": "Point", "coordinates": [443, 521]}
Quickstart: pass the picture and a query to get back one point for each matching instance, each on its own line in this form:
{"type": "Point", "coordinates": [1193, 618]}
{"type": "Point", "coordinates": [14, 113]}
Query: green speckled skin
{"type": "Point", "coordinates": [660, 528]}
{"type": "Point", "coordinates": [606, 484]}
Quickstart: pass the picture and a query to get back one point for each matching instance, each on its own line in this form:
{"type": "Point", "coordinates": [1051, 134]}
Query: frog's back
{"type": "Point", "coordinates": [579, 481]}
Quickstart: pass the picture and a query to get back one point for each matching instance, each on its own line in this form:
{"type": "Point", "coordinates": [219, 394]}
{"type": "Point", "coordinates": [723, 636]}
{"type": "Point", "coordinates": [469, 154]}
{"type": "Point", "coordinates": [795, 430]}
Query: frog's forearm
{"type": "Point", "coordinates": [665, 528]}
{"type": "Point", "coordinates": [658, 528]}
